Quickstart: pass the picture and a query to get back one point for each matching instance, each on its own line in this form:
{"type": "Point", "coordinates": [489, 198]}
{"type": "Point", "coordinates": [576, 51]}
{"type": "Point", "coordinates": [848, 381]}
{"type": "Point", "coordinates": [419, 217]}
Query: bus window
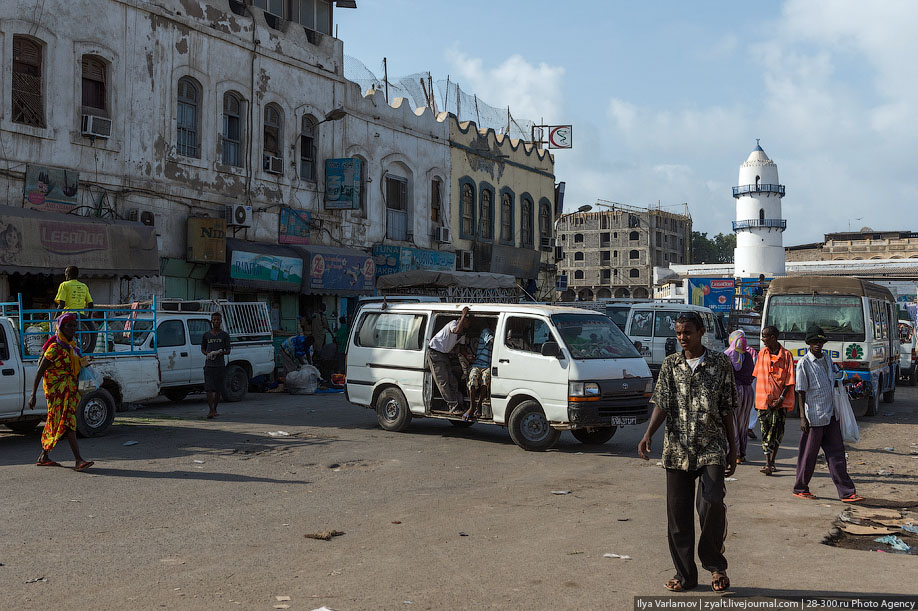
{"type": "Point", "coordinates": [840, 316]}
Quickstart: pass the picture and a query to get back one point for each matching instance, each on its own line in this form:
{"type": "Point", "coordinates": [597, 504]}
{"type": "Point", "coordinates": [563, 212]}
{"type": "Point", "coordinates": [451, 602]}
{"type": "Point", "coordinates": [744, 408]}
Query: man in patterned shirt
{"type": "Point", "coordinates": [695, 395]}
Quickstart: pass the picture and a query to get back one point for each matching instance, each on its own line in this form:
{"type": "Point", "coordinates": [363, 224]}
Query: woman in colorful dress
{"type": "Point", "coordinates": [742, 358]}
{"type": "Point", "coordinates": [59, 370]}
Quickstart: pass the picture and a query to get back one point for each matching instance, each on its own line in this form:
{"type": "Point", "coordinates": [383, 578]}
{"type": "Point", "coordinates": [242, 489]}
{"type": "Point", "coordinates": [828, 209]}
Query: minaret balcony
{"type": "Point", "coordinates": [746, 189]}
{"type": "Point", "coordinates": [755, 223]}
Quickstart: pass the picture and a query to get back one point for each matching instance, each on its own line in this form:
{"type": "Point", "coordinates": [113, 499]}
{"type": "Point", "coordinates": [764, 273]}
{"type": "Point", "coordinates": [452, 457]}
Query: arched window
{"type": "Point", "coordinates": [757, 179]}
{"type": "Point", "coordinates": [308, 136]}
{"type": "Point", "coordinates": [578, 275]}
{"type": "Point", "coordinates": [634, 236]}
{"type": "Point", "coordinates": [28, 100]}
{"type": "Point", "coordinates": [94, 71]}
{"type": "Point", "coordinates": [621, 293]}
{"type": "Point", "coordinates": [634, 273]}
{"type": "Point", "coordinates": [526, 221]}
{"type": "Point", "coordinates": [467, 210]}
{"type": "Point", "coordinates": [486, 217]}
{"type": "Point", "coordinates": [578, 256]}
{"type": "Point", "coordinates": [272, 151]}
{"type": "Point", "coordinates": [188, 115]}
{"type": "Point", "coordinates": [633, 254]}
{"type": "Point", "coordinates": [545, 224]}
{"type": "Point", "coordinates": [578, 238]}
{"type": "Point", "coordinates": [506, 217]}
{"type": "Point", "coordinates": [231, 137]}
{"type": "Point", "coordinates": [761, 214]}
{"type": "Point", "coordinates": [641, 293]}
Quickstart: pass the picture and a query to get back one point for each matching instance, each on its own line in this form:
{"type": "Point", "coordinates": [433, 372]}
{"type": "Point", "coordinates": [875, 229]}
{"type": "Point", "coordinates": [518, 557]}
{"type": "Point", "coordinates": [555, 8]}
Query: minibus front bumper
{"type": "Point", "coordinates": [621, 402]}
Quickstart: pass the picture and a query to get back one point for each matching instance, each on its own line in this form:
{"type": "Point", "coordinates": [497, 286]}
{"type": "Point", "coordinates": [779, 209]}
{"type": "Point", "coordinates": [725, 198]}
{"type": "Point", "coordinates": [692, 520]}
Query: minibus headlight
{"type": "Point", "coordinates": [648, 389]}
{"type": "Point", "coordinates": [583, 391]}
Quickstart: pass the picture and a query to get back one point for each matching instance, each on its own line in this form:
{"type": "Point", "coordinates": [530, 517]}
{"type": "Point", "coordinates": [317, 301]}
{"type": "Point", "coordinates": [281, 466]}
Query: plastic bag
{"type": "Point", "coordinates": [845, 415]}
{"type": "Point", "coordinates": [303, 381]}
{"type": "Point", "coordinates": [88, 380]}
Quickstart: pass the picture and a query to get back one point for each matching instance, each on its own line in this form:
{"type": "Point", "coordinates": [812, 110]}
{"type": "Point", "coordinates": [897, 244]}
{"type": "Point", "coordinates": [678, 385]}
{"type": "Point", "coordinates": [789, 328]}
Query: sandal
{"type": "Point", "coordinates": [720, 582]}
{"type": "Point", "coordinates": [852, 498]}
{"type": "Point", "coordinates": [804, 495]}
{"type": "Point", "coordinates": [675, 585]}
{"type": "Point", "coordinates": [84, 465]}
{"type": "Point", "coordinates": [47, 463]}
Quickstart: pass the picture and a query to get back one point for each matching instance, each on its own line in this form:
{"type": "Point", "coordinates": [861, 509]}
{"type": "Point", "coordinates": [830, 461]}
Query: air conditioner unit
{"type": "Point", "coordinates": [444, 235]}
{"type": "Point", "coordinates": [96, 127]}
{"type": "Point", "coordinates": [559, 253]}
{"type": "Point", "coordinates": [273, 165]}
{"type": "Point", "coordinates": [238, 215]}
{"type": "Point", "coordinates": [545, 243]}
{"type": "Point", "coordinates": [134, 214]}
{"type": "Point", "coordinates": [147, 218]}
{"type": "Point", "coordinates": [464, 261]}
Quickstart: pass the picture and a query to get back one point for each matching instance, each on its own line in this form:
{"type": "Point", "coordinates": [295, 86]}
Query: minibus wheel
{"type": "Point", "coordinates": [594, 436]}
{"type": "Point", "coordinates": [392, 411]}
{"type": "Point", "coordinates": [529, 428]}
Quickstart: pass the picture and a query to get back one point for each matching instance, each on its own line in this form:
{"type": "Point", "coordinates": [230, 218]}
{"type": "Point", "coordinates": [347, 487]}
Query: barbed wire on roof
{"type": "Point", "coordinates": [440, 95]}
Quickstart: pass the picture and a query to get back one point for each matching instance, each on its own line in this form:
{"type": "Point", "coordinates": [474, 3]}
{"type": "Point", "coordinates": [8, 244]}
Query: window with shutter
{"type": "Point", "coordinates": [28, 106]}
{"type": "Point", "coordinates": [93, 83]}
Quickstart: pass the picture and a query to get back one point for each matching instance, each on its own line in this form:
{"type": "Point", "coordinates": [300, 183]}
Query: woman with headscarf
{"type": "Point", "coordinates": [743, 359]}
{"type": "Point", "coordinates": [59, 370]}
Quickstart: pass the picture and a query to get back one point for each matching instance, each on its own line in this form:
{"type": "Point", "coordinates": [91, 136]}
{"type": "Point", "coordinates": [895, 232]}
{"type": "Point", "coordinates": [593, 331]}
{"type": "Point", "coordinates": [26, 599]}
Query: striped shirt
{"type": "Point", "coordinates": [485, 346]}
{"type": "Point", "coordinates": [814, 379]}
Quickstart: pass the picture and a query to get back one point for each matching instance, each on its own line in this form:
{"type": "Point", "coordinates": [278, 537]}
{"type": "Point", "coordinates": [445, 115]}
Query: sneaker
{"type": "Point", "coordinates": [751, 434]}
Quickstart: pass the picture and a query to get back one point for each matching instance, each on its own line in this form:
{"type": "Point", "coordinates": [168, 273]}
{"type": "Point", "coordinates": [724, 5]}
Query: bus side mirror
{"type": "Point", "coordinates": [551, 349]}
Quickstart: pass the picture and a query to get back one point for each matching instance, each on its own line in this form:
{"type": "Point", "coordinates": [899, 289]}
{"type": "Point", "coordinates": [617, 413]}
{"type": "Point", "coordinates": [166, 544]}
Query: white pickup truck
{"type": "Point", "coordinates": [126, 378]}
{"type": "Point", "coordinates": [179, 328]}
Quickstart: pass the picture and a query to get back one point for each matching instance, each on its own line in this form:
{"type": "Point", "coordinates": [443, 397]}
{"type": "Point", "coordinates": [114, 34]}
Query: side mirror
{"type": "Point", "coordinates": [551, 349]}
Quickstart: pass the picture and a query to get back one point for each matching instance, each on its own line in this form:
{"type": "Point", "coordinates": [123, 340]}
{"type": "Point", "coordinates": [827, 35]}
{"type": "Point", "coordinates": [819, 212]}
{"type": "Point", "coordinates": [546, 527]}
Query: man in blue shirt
{"type": "Point", "coordinates": [480, 374]}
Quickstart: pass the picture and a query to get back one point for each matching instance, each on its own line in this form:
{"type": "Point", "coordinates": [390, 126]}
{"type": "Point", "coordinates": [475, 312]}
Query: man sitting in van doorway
{"type": "Point", "coordinates": [439, 349]}
{"type": "Point", "coordinates": [479, 382]}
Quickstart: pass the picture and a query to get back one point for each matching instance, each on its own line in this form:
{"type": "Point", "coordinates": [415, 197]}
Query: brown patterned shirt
{"type": "Point", "coordinates": [695, 404]}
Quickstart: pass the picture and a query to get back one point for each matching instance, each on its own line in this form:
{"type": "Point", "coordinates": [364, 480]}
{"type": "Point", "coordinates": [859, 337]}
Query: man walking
{"type": "Point", "coordinates": [774, 393]}
{"type": "Point", "coordinates": [319, 326]}
{"type": "Point", "coordinates": [438, 350]}
{"type": "Point", "coordinates": [215, 344]}
{"type": "Point", "coordinates": [815, 390]}
{"type": "Point", "coordinates": [695, 395]}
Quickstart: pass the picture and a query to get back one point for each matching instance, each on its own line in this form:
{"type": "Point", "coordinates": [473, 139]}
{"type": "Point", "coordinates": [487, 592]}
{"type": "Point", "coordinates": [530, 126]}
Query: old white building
{"type": "Point", "coordinates": [189, 109]}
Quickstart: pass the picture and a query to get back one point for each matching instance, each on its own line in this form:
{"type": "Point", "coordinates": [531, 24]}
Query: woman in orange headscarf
{"type": "Point", "coordinates": [59, 369]}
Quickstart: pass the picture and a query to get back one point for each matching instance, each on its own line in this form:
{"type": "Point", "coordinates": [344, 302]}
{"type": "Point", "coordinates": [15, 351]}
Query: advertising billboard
{"type": "Point", "coordinates": [342, 184]}
{"type": "Point", "coordinates": [713, 293]}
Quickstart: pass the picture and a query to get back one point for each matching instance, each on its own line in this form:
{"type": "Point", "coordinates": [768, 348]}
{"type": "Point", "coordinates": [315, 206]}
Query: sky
{"type": "Point", "coordinates": [668, 98]}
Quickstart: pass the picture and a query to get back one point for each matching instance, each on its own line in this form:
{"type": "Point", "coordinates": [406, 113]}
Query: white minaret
{"type": "Point", "coordinates": [758, 224]}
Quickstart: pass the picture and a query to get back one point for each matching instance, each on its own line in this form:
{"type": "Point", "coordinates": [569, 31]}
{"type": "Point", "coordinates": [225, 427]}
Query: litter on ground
{"type": "Point", "coordinates": [619, 556]}
{"type": "Point", "coordinates": [130, 443]}
{"type": "Point", "coordinates": [894, 542]}
{"type": "Point", "coordinates": [324, 535]}
{"type": "Point", "coordinates": [560, 491]}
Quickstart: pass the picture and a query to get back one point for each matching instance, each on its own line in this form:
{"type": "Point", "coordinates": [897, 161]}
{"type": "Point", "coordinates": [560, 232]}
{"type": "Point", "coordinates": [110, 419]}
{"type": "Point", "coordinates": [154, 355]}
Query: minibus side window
{"type": "Point", "coordinates": [664, 324]}
{"type": "Point", "coordinates": [641, 323]}
{"type": "Point", "coordinates": [527, 334]}
{"type": "Point", "coordinates": [397, 331]}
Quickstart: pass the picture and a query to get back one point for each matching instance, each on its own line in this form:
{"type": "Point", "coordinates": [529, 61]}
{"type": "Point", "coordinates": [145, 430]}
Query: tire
{"type": "Point", "coordinates": [95, 413]}
{"type": "Point", "coordinates": [462, 424]}
{"type": "Point", "coordinates": [235, 383]}
{"type": "Point", "coordinates": [392, 411]}
{"type": "Point", "coordinates": [529, 428]}
{"type": "Point", "coordinates": [889, 396]}
{"type": "Point", "coordinates": [175, 394]}
{"type": "Point", "coordinates": [594, 436]}
{"type": "Point", "coordinates": [913, 377]}
{"type": "Point", "coordinates": [23, 426]}
{"type": "Point", "coordinates": [873, 405]}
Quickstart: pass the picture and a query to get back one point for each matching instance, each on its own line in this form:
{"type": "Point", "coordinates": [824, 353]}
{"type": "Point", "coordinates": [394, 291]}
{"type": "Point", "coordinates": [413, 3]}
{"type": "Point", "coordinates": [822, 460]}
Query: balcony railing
{"type": "Point", "coordinates": [744, 189]}
{"type": "Point", "coordinates": [753, 223]}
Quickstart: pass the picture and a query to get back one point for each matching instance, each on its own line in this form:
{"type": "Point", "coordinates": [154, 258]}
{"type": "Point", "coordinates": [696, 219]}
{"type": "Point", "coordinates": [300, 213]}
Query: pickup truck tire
{"type": "Point", "coordinates": [95, 413]}
{"type": "Point", "coordinates": [235, 383]}
{"type": "Point", "coordinates": [175, 394]}
{"type": "Point", "coordinates": [529, 428]}
{"type": "Point", "coordinates": [23, 426]}
{"type": "Point", "coordinates": [594, 437]}
{"type": "Point", "coordinates": [392, 411]}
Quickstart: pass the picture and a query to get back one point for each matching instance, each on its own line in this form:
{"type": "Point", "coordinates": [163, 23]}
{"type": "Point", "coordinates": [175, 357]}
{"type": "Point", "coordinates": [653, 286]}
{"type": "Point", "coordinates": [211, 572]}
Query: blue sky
{"type": "Point", "coordinates": [667, 98]}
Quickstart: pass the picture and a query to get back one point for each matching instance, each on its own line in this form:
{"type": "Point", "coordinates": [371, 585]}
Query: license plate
{"type": "Point", "coordinates": [623, 420]}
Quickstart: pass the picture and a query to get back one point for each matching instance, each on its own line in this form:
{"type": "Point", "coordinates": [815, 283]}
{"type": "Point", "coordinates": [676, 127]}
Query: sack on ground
{"type": "Point", "coordinates": [303, 381]}
{"type": "Point", "coordinates": [89, 380]}
{"type": "Point", "coordinates": [845, 415]}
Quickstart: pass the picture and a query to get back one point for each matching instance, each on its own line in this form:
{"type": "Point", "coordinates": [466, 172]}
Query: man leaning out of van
{"type": "Point", "coordinates": [439, 348]}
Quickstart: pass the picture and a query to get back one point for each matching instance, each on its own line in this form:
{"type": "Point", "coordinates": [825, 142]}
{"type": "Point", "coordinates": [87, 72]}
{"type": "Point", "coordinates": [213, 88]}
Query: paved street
{"type": "Point", "coordinates": [212, 514]}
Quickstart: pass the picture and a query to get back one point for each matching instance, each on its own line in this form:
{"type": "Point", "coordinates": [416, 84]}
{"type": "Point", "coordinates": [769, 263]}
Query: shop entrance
{"type": "Point", "coordinates": [38, 290]}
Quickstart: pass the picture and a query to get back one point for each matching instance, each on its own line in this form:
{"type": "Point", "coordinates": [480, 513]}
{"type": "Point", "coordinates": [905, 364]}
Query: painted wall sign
{"type": "Point", "coordinates": [51, 189]}
{"type": "Point", "coordinates": [714, 293]}
{"type": "Point", "coordinates": [392, 259]}
{"type": "Point", "coordinates": [342, 184]}
{"type": "Point", "coordinates": [286, 271]}
{"type": "Point", "coordinates": [206, 240]}
{"type": "Point", "coordinates": [347, 272]}
{"type": "Point", "coordinates": [294, 226]}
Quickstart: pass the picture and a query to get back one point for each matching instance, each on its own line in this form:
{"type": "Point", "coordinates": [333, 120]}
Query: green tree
{"type": "Point", "coordinates": [718, 249]}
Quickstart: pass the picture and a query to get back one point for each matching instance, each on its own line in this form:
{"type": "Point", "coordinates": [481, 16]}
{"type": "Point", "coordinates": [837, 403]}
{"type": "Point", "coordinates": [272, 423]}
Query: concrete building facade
{"type": "Point", "coordinates": [858, 245]}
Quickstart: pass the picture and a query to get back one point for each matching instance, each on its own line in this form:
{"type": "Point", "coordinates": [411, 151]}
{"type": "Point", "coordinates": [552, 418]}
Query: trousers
{"type": "Point", "coordinates": [745, 395]}
{"type": "Point", "coordinates": [829, 438]}
{"type": "Point", "coordinates": [712, 514]}
{"type": "Point", "coordinates": [442, 371]}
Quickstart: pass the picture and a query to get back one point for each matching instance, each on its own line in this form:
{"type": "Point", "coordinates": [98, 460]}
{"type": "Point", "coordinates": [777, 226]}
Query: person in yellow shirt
{"type": "Point", "coordinates": [73, 294]}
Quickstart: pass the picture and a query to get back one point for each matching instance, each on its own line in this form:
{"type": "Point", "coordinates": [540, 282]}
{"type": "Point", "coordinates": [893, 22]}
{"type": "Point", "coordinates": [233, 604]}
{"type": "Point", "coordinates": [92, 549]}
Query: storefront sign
{"type": "Point", "coordinates": [517, 262]}
{"type": "Point", "coordinates": [345, 272]}
{"type": "Point", "coordinates": [284, 271]}
{"type": "Point", "coordinates": [51, 189]}
{"type": "Point", "coordinates": [294, 226]}
{"type": "Point", "coordinates": [392, 259]}
{"type": "Point", "coordinates": [206, 240]}
{"type": "Point", "coordinates": [713, 293]}
{"type": "Point", "coordinates": [342, 184]}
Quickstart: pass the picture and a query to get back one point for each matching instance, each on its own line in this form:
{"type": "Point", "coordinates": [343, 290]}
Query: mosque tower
{"type": "Point", "coordinates": [758, 225]}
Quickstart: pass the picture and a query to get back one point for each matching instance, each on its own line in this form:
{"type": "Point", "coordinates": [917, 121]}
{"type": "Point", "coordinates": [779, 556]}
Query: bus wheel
{"type": "Point", "coordinates": [889, 396]}
{"type": "Point", "coordinates": [594, 437]}
{"type": "Point", "coordinates": [529, 428]}
{"type": "Point", "coordinates": [392, 411]}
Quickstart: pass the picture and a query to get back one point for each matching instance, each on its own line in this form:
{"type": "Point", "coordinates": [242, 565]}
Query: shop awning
{"type": "Point", "coordinates": [253, 265]}
{"type": "Point", "coordinates": [39, 242]}
{"type": "Point", "coordinates": [426, 278]}
{"type": "Point", "coordinates": [346, 272]}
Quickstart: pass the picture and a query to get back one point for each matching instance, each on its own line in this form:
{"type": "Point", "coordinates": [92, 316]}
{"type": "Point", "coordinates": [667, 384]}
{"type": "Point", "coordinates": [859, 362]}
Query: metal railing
{"type": "Point", "coordinates": [744, 189]}
{"type": "Point", "coordinates": [752, 223]}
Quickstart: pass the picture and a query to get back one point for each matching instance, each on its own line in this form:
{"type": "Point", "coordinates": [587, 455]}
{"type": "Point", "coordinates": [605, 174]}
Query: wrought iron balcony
{"type": "Point", "coordinates": [744, 189]}
{"type": "Point", "coordinates": [753, 223]}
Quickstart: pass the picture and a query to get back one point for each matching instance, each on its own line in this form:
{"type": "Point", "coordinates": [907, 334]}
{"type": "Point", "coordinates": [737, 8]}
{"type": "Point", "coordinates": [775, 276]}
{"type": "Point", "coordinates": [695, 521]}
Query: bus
{"type": "Point", "coordinates": [859, 320]}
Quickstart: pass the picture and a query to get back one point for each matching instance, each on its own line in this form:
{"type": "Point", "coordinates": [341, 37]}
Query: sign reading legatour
{"type": "Point", "coordinates": [51, 189]}
{"type": "Point", "coordinates": [346, 272]}
{"type": "Point", "coordinates": [294, 226]}
{"type": "Point", "coordinates": [71, 239]}
{"type": "Point", "coordinates": [206, 240]}
{"type": "Point", "coordinates": [287, 271]}
{"type": "Point", "coordinates": [393, 259]}
{"type": "Point", "coordinates": [342, 184]}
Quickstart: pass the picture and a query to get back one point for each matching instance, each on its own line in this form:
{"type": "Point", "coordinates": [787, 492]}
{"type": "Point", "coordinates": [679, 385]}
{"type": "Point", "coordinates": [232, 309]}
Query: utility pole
{"type": "Point", "coordinates": [385, 68]}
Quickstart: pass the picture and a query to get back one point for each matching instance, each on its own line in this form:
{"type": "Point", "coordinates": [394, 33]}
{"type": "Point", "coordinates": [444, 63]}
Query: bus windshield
{"type": "Point", "coordinates": [840, 316]}
{"type": "Point", "coordinates": [593, 336]}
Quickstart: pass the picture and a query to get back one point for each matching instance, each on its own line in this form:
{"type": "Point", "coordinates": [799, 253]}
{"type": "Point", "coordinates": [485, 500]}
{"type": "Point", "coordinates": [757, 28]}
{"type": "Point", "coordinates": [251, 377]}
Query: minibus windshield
{"type": "Point", "coordinates": [593, 336]}
{"type": "Point", "coordinates": [840, 316]}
